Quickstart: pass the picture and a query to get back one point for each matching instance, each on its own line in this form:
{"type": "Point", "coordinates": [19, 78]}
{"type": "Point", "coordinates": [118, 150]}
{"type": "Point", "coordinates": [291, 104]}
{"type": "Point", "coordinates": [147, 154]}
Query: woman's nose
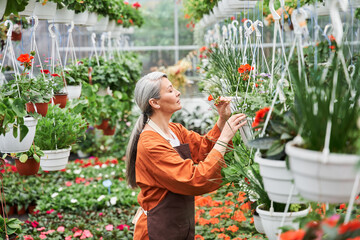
{"type": "Point", "coordinates": [178, 93]}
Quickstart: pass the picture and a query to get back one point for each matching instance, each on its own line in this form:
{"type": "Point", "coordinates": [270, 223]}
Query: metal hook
{"type": "Point", "coordinates": [248, 30]}
{"type": "Point", "coordinates": [256, 24]}
{"type": "Point", "coordinates": [234, 24]}
{"type": "Point", "coordinates": [275, 15]}
{"type": "Point", "coordinates": [326, 29]}
{"type": "Point", "coordinates": [36, 22]}
{"type": "Point", "coordinates": [52, 34]}
{"type": "Point", "coordinates": [335, 5]}
{"type": "Point", "coordinates": [295, 16]}
{"type": "Point", "coordinates": [93, 38]}
{"type": "Point", "coordinates": [71, 28]}
{"type": "Point", "coordinates": [11, 26]}
{"type": "Point", "coordinates": [351, 70]}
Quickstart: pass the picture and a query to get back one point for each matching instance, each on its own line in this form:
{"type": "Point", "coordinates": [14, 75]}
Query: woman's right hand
{"type": "Point", "coordinates": [231, 126]}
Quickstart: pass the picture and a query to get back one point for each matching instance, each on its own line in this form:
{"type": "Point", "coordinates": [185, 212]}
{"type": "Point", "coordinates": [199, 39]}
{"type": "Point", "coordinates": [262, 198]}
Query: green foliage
{"type": "Point", "coordinates": [78, 6]}
{"type": "Point", "coordinates": [15, 6]}
{"type": "Point", "coordinates": [59, 129]}
{"type": "Point", "coordinates": [196, 9]}
{"type": "Point", "coordinates": [34, 152]}
{"type": "Point", "coordinates": [13, 227]}
{"type": "Point", "coordinates": [76, 74]}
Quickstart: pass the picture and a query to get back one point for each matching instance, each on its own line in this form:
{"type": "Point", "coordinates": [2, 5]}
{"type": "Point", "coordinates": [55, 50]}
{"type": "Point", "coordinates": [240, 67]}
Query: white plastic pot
{"type": "Point", "coordinates": [92, 19]}
{"type": "Point", "coordinates": [29, 9]}
{"type": "Point", "coordinates": [9, 144]}
{"type": "Point", "coordinates": [272, 221]}
{"type": "Point", "coordinates": [54, 160]}
{"type": "Point", "coordinates": [277, 180]}
{"type": "Point", "coordinates": [111, 26]}
{"type": "Point", "coordinates": [320, 181]}
{"type": "Point", "coordinates": [81, 18]}
{"type": "Point", "coordinates": [63, 15]}
{"type": "Point", "coordinates": [240, 4]}
{"type": "Point", "coordinates": [258, 224]}
{"type": "Point", "coordinates": [74, 92]}
{"type": "Point", "coordinates": [101, 25]}
{"type": "Point", "coordinates": [45, 12]}
{"type": "Point", "coordinates": [2, 7]}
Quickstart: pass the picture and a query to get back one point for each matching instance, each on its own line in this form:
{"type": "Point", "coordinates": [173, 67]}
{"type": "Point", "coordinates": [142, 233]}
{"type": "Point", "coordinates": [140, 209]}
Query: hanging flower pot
{"type": "Point", "coordinates": [63, 15]}
{"type": "Point", "coordinates": [92, 19]}
{"type": "Point", "coordinates": [277, 180]}
{"type": "Point", "coordinates": [101, 24]}
{"type": "Point", "coordinates": [45, 12]}
{"type": "Point", "coordinates": [319, 181]}
{"type": "Point", "coordinates": [81, 18]}
{"type": "Point", "coordinates": [257, 223]}
{"type": "Point", "coordinates": [9, 144]}
{"type": "Point", "coordinates": [30, 167]}
{"type": "Point", "coordinates": [2, 8]}
{"type": "Point", "coordinates": [74, 91]}
{"type": "Point", "coordinates": [271, 221]}
{"type": "Point", "coordinates": [54, 160]}
{"type": "Point", "coordinates": [16, 36]}
{"type": "Point", "coordinates": [60, 99]}
{"type": "Point", "coordinates": [111, 26]}
{"type": "Point", "coordinates": [41, 108]}
{"type": "Point", "coordinates": [29, 9]}
{"type": "Point", "coordinates": [107, 130]}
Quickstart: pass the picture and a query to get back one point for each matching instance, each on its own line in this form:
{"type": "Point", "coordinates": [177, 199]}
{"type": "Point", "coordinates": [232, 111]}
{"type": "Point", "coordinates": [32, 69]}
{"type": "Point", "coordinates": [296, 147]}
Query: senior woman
{"type": "Point", "coordinates": [170, 164]}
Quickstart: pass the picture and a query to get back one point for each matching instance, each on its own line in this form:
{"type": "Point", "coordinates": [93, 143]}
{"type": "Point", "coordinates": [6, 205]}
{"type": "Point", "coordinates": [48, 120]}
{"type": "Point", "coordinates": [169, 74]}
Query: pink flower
{"type": "Point", "coordinates": [86, 234]}
{"type": "Point", "coordinates": [60, 216]}
{"type": "Point", "coordinates": [42, 236]}
{"type": "Point", "coordinates": [68, 184]}
{"type": "Point", "coordinates": [100, 214]}
{"type": "Point", "coordinates": [78, 233]}
{"type": "Point", "coordinates": [50, 211]}
{"type": "Point", "coordinates": [122, 226]}
{"type": "Point", "coordinates": [126, 2]}
{"type": "Point", "coordinates": [28, 237]}
{"type": "Point", "coordinates": [136, 5]}
{"type": "Point", "coordinates": [109, 227]}
{"type": "Point", "coordinates": [40, 229]}
{"type": "Point", "coordinates": [68, 237]}
{"type": "Point", "coordinates": [60, 229]}
{"type": "Point", "coordinates": [49, 231]}
{"type": "Point", "coordinates": [34, 224]}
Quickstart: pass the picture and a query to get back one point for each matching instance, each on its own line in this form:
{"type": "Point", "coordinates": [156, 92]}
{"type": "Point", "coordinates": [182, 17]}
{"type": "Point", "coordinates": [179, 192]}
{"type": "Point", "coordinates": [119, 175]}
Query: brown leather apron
{"type": "Point", "coordinates": [174, 217]}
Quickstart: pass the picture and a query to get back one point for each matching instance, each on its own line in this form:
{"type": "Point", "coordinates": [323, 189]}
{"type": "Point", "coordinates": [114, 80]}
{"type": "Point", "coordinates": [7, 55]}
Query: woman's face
{"type": "Point", "coordinates": [169, 97]}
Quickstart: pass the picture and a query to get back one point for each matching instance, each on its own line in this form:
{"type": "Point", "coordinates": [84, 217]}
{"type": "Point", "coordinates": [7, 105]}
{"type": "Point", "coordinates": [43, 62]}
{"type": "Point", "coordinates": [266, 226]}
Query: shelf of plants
{"type": "Point", "coordinates": [291, 66]}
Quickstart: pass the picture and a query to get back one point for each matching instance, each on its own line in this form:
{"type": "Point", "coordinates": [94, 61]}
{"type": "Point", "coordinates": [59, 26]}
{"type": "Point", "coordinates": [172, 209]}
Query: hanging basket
{"type": "Point", "coordinates": [111, 26]}
{"type": "Point", "coordinates": [92, 19]}
{"type": "Point", "coordinates": [9, 144]}
{"type": "Point", "coordinates": [30, 167]}
{"type": "Point", "coordinates": [81, 18]}
{"type": "Point", "coordinates": [45, 12]}
{"type": "Point", "coordinates": [330, 182]}
{"type": "Point", "coordinates": [277, 180]}
{"type": "Point", "coordinates": [101, 25]}
{"type": "Point", "coordinates": [60, 99]}
{"type": "Point", "coordinates": [272, 221]}
{"type": "Point", "coordinates": [240, 4]}
{"type": "Point", "coordinates": [2, 7]}
{"type": "Point", "coordinates": [258, 224]}
{"type": "Point", "coordinates": [54, 160]}
{"type": "Point", "coordinates": [74, 92]}
{"type": "Point", "coordinates": [29, 9]}
{"type": "Point", "coordinates": [63, 15]}
{"type": "Point", "coordinates": [41, 108]}
{"type": "Point", "coordinates": [107, 130]}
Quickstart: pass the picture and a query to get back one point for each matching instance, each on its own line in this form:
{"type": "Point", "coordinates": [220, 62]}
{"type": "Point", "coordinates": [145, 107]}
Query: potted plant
{"type": "Point", "coordinates": [327, 111]}
{"type": "Point", "coordinates": [60, 90]}
{"type": "Point", "coordinates": [45, 10]}
{"type": "Point", "coordinates": [55, 134]}
{"type": "Point", "coordinates": [75, 75]}
{"type": "Point", "coordinates": [13, 228]}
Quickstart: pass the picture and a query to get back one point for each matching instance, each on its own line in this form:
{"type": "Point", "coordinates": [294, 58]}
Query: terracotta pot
{"type": "Point", "coordinates": [16, 36]}
{"type": "Point", "coordinates": [30, 167]}
{"type": "Point", "coordinates": [107, 130]}
{"type": "Point", "coordinates": [21, 211]}
{"type": "Point", "coordinates": [11, 210]}
{"type": "Point", "coordinates": [31, 209]}
{"type": "Point", "coordinates": [41, 108]}
{"type": "Point", "coordinates": [60, 99]}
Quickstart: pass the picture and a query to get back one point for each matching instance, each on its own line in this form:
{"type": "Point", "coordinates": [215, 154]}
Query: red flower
{"type": "Point", "coordinates": [34, 224]}
{"type": "Point", "coordinates": [210, 97]}
{"type": "Point", "coordinates": [260, 115]}
{"type": "Point", "coordinates": [198, 237]}
{"type": "Point", "coordinates": [293, 235]}
{"type": "Point", "coordinates": [50, 211]}
{"type": "Point", "coordinates": [123, 226]}
{"type": "Point", "coordinates": [350, 226]}
{"type": "Point", "coordinates": [25, 58]}
{"type": "Point", "coordinates": [232, 18]}
{"type": "Point", "coordinates": [332, 38]}
{"type": "Point", "coordinates": [55, 75]}
{"type": "Point", "coordinates": [120, 21]}
{"type": "Point", "coordinates": [136, 5]}
{"type": "Point", "coordinates": [131, 21]}
{"type": "Point", "coordinates": [202, 49]}
{"type": "Point", "coordinates": [45, 71]}
{"type": "Point", "coordinates": [243, 20]}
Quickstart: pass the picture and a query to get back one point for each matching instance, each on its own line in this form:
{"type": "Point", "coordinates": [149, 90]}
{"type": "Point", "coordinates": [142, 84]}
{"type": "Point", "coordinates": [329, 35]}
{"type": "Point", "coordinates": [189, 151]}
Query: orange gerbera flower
{"type": "Point", "coordinates": [233, 228]}
{"type": "Point", "coordinates": [210, 97]}
{"type": "Point", "coordinates": [214, 220]}
{"type": "Point", "coordinates": [199, 237]}
{"type": "Point", "coordinates": [238, 216]}
{"type": "Point", "coordinates": [293, 235]}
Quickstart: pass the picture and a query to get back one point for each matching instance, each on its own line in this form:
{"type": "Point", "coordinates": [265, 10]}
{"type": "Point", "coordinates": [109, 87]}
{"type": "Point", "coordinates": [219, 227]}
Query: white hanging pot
{"type": "Point", "coordinates": [92, 19]}
{"type": "Point", "coordinates": [2, 7]}
{"type": "Point", "coordinates": [81, 18]}
{"type": "Point", "coordinates": [101, 25]}
{"type": "Point", "coordinates": [330, 182]}
{"type": "Point", "coordinates": [63, 15]}
{"type": "Point", "coordinates": [111, 26]}
{"type": "Point", "coordinates": [272, 221]}
{"type": "Point", "coordinates": [29, 9]}
{"type": "Point", "coordinates": [9, 144]}
{"type": "Point", "coordinates": [258, 224]}
{"type": "Point", "coordinates": [74, 92]}
{"type": "Point", "coordinates": [277, 180]}
{"type": "Point", "coordinates": [45, 12]}
{"type": "Point", "coordinates": [54, 160]}
{"type": "Point", "coordinates": [240, 4]}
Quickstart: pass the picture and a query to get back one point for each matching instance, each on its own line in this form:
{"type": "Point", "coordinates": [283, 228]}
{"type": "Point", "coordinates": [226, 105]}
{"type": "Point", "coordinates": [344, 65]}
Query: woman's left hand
{"type": "Point", "coordinates": [224, 110]}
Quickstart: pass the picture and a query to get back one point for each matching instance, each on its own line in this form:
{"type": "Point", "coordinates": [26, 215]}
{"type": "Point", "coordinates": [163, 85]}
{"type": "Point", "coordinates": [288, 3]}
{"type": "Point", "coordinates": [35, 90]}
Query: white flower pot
{"type": "Point", "coordinates": [29, 9]}
{"type": "Point", "coordinates": [258, 224]}
{"type": "Point", "coordinates": [101, 25]}
{"type": "Point", "coordinates": [104, 91]}
{"type": "Point", "coordinates": [81, 18]}
{"type": "Point", "coordinates": [272, 221]}
{"type": "Point", "coordinates": [74, 92]}
{"type": "Point", "coordinates": [63, 15]}
{"type": "Point", "coordinates": [45, 12]}
{"type": "Point", "coordinates": [277, 180]}
{"type": "Point", "coordinates": [317, 181]}
{"type": "Point", "coordinates": [240, 4]}
{"type": "Point", "coordinates": [92, 19]}
{"type": "Point", "coordinates": [111, 26]}
{"type": "Point", "coordinates": [54, 160]}
{"type": "Point", "coordinates": [2, 7]}
{"type": "Point", "coordinates": [9, 144]}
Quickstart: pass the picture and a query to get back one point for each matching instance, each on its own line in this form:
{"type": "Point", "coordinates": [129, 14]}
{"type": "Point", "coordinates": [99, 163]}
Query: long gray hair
{"type": "Point", "coordinates": [146, 88]}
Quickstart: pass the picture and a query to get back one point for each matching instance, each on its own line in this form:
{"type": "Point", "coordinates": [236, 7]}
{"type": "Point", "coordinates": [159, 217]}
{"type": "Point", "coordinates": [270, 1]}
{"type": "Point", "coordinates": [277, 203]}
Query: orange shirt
{"type": "Point", "coordinates": [159, 168]}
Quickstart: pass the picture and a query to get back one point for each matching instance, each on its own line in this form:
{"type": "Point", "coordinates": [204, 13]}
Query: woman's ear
{"type": "Point", "coordinates": [154, 103]}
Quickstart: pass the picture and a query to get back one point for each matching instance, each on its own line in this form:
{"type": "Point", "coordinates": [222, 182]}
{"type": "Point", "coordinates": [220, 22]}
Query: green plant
{"type": "Point", "coordinates": [59, 129]}
{"type": "Point", "coordinates": [76, 74]}
{"type": "Point", "coordinates": [78, 6]}
{"type": "Point", "coordinates": [194, 9]}
{"type": "Point", "coordinates": [13, 227]}
{"type": "Point", "coordinates": [15, 6]}
{"type": "Point", "coordinates": [34, 152]}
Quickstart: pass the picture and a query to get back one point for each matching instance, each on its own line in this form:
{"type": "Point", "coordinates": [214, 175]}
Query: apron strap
{"type": "Point", "coordinates": [138, 214]}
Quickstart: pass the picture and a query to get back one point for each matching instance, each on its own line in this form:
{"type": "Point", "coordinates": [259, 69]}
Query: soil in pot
{"type": "Point", "coordinates": [30, 167]}
{"type": "Point", "coordinates": [41, 108]}
{"type": "Point", "coordinates": [60, 99]}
